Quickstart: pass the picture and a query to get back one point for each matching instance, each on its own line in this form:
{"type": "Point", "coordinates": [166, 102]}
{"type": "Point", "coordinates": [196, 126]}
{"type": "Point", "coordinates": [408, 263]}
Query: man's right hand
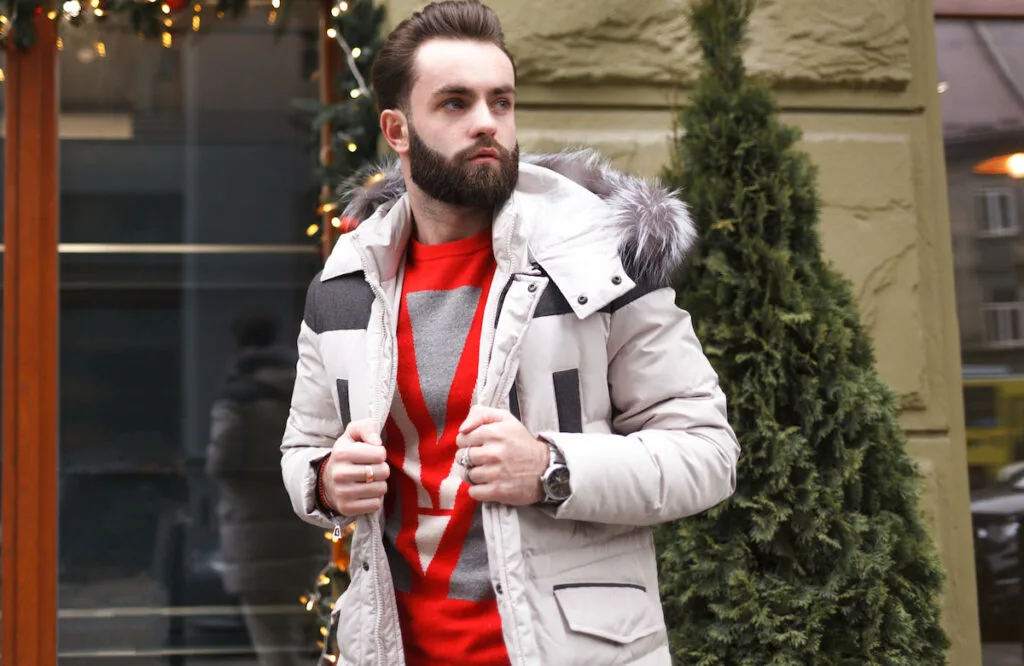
{"type": "Point", "coordinates": [345, 474]}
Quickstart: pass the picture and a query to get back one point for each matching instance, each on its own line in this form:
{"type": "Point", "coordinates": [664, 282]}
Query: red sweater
{"type": "Point", "coordinates": [433, 528]}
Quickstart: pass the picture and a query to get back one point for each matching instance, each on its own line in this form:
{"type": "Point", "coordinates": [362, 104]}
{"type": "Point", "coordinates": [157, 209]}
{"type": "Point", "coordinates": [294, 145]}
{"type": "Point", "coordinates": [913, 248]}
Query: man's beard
{"type": "Point", "coordinates": [459, 182]}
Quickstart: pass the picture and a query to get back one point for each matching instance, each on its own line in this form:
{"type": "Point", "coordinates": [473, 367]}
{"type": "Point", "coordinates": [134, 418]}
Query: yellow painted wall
{"type": "Point", "coordinates": [859, 78]}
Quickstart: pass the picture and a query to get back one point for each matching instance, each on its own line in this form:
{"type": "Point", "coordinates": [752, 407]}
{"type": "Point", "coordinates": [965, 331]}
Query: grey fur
{"type": "Point", "coordinates": [654, 227]}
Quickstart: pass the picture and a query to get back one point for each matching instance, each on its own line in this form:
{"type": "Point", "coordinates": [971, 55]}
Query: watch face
{"type": "Point", "coordinates": [558, 483]}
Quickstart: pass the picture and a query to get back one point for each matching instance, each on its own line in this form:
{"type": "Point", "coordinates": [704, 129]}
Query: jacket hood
{"type": "Point", "coordinates": [652, 225]}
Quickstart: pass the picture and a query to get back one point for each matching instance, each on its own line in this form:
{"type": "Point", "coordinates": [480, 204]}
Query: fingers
{"type": "Point", "coordinates": [479, 436]}
{"type": "Point", "coordinates": [480, 415]}
{"type": "Point", "coordinates": [363, 430]}
{"type": "Point", "coordinates": [485, 493]}
{"type": "Point", "coordinates": [358, 453]}
{"type": "Point", "coordinates": [360, 507]}
{"type": "Point", "coordinates": [479, 476]}
{"type": "Point", "coordinates": [344, 473]}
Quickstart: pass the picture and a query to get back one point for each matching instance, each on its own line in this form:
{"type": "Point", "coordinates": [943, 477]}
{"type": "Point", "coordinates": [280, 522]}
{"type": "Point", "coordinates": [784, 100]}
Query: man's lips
{"type": "Point", "coordinates": [486, 153]}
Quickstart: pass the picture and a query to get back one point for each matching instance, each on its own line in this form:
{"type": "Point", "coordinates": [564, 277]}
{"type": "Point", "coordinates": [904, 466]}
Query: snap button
{"type": "Point", "coordinates": [366, 566]}
{"type": "Point", "coordinates": [582, 300]}
{"type": "Point", "coordinates": [497, 588]}
{"type": "Point", "coordinates": [616, 280]}
{"type": "Point", "coordinates": [532, 288]}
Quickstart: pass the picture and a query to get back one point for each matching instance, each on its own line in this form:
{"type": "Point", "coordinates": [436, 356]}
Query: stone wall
{"type": "Point", "coordinates": [859, 79]}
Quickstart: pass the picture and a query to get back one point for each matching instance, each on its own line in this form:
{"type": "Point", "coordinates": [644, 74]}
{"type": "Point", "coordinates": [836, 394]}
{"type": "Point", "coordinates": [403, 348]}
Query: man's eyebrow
{"type": "Point", "coordinates": [463, 90]}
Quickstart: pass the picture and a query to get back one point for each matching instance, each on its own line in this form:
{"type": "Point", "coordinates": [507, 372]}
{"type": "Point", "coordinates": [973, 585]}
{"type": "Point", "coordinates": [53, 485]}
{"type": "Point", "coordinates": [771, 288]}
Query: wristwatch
{"type": "Point", "coordinates": [555, 480]}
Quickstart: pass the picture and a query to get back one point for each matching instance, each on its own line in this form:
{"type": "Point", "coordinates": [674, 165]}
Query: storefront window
{"type": "Point", "coordinates": [981, 73]}
{"type": "Point", "coordinates": [186, 189]}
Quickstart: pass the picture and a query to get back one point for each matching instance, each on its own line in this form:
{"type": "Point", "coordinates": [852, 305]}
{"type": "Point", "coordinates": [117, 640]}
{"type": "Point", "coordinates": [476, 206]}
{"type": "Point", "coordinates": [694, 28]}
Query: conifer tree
{"type": "Point", "coordinates": [821, 557]}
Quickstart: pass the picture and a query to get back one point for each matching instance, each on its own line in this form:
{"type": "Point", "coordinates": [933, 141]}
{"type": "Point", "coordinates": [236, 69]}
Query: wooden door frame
{"type": "Point", "coordinates": [31, 300]}
{"type": "Point", "coordinates": [29, 511]}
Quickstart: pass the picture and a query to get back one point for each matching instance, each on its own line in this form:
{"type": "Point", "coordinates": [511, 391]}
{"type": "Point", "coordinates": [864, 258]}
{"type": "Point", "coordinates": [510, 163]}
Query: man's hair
{"type": "Point", "coordinates": [392, 73]}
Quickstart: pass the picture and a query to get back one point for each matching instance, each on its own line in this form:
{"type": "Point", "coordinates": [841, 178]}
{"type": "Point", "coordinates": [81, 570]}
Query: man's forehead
{"type": "Point", "coordinates": [443, 65]}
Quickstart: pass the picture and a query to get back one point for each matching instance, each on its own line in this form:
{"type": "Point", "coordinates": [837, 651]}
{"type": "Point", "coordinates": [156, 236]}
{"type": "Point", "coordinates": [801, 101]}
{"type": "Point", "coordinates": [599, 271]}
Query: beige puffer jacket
{"type": "Point", "coordinates": [586, 345]}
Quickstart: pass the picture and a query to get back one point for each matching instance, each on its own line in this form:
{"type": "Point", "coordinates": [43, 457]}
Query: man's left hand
{"type": "Point", "coordinates": [505, 462]}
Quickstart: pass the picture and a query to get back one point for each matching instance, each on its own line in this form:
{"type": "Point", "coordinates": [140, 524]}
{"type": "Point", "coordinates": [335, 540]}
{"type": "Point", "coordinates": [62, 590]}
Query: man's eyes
{"type": "Point", "coordinates": [504, 104]}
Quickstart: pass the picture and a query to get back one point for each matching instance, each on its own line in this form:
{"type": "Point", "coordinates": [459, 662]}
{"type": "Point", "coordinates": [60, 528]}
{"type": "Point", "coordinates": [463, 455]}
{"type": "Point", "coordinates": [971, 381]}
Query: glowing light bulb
{"type": "Point", "coordinates": [1015, 165]}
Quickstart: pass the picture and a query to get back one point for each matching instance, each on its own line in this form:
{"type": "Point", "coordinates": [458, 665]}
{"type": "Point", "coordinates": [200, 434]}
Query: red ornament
{"type": "Point", "coordinates": [348, 224]}
{"type": "Point", "coordinates": [177, 5]}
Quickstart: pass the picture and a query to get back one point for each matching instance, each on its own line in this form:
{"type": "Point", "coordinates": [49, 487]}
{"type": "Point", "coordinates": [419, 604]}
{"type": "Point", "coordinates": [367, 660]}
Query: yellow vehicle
{"type": "Point", "coordinates": [994, 411]}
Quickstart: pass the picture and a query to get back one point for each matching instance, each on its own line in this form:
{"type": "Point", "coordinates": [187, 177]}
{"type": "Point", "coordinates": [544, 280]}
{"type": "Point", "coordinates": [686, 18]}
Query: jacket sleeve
{"type": "Point", "coordinates": [313, 427]}
{"type": "Point", "coordinates": [676, 454]}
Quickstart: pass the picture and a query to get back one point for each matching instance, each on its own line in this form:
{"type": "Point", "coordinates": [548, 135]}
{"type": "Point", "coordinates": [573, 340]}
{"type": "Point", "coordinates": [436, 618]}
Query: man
{"type": "Point", "coordinates": [495, 384]}
{"type": "Point", "coordinates": [269, 557]}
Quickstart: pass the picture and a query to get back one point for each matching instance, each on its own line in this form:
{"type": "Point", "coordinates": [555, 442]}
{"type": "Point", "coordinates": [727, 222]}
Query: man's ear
{"type": "Point", "coordinates": [395, 128]}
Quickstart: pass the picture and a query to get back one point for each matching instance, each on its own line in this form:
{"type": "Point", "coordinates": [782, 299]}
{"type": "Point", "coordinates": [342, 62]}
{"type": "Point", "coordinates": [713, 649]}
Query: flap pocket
{"type": "Point", "coordinates": [617, 612]}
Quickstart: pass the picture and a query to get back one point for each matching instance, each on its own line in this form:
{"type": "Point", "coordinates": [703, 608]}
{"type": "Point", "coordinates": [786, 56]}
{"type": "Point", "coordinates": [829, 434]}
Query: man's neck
{"type": "Point", "coordinates": [435, 222]}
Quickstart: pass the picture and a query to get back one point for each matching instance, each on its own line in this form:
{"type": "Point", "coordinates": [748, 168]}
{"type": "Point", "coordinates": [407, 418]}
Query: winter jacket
{"type": "Point", "coordinates": [583, 341]}
{"type": "Point", "coordinates": [263, 546]}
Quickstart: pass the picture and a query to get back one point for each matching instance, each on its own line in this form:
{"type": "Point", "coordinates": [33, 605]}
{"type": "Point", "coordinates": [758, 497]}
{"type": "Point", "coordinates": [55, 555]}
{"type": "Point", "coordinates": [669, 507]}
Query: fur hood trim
{"type": "Point", "coordinates": [652, 225]}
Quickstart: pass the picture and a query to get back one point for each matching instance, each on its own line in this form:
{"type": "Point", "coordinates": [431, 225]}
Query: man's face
{"type": "Point", "coordinates": [462, 132]}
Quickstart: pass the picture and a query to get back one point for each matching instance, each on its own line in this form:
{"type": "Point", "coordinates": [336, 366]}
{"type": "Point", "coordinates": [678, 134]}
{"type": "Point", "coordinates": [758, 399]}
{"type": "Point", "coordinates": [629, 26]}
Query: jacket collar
{"type": "Point", "coordinates": [594, 231]}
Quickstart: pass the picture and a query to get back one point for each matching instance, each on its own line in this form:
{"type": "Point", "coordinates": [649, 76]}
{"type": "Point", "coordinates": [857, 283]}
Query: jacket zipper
{"type": "Point", "coordinates": [375, 534]}
{"type": "Point", "coordinates": [535, 271]}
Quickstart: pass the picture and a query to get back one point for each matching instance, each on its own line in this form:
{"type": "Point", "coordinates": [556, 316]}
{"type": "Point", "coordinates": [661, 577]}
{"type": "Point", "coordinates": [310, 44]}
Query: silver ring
{"type": "Point", "coordinates": [464, 459]}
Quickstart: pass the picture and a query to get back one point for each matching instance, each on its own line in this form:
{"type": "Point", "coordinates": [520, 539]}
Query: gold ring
{"type": "Point", "coordinates": [369, 473]}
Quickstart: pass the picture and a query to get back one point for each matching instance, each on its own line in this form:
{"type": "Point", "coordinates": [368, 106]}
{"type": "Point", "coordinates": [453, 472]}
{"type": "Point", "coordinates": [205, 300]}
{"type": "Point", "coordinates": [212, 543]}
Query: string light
{"type": "Point", "coordinates": [198, 8]}
{"type": "Point", "coordinates": [352, 147]}
{"type": "Point", "coordinates": [3, 20]}
{"type": "Point", "coordinates": [332, 33]}
{"type": "Point", "coordinates": [356, 52]}
{"type": "Point", "coordinates": [60, 44]}
{"type": "Point", "coordinates": [2, 76]}
{"type": "Point", "coordinates": [311, 231]}
{"type": "Point", "coordinates": [272, 18]}
{"type": "Point", "coordinates": [195, 22]}
{"type": "Point", "coordinates": [1015, 165]}
{"type": "Point", "coordinates": [355, 92]}
{"type": "Point", "coordinates": [98, 12]}
{"type": "Point", "coordinates": [328, 207]}
{"type": "Point", "coordinates": [168, 22]}
{"type": "Point", "coordinates": [167, 40]}
{"type": "Point", "coordinates": [72, 8]}
{"type": "Point", "coordinates": [276, 4]}
{"type": "Point", "coordinates": [101, 49]}
{"type": "Point", "coordinates": [52, 15]}
{"type": "Point", "coordinates": [336, 223]}
{"type": "Point", "coordinates": [165, 8]}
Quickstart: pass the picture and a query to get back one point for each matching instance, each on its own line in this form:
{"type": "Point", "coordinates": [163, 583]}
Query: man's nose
{"type": "Point", "coordinates": [483, 121]}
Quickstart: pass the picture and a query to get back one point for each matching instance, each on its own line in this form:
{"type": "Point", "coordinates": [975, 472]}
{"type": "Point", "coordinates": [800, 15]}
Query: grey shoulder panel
{"type": "Point", "coordinates": [339, 304]}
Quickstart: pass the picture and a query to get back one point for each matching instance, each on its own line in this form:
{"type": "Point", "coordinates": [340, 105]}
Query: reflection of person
{"type": "Point", "coordinates": [541, 398]}
{"type": "Point", "coordinates": [270, 558]}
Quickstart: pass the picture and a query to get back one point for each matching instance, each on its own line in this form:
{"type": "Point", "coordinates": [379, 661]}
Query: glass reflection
{"type": "Point", "coordinates": [981, 72]}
